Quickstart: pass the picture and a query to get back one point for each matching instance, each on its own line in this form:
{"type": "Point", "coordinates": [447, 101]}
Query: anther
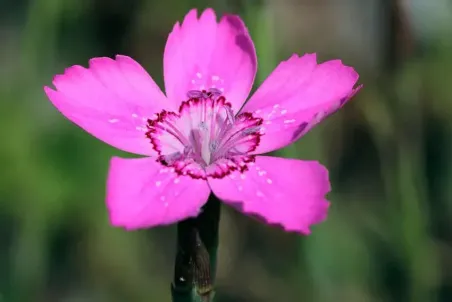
{"type": "Point", "coordinates": [194, 94]}
{"type": "Point", "coordinates": [171, 158]}
{"type": "Point", "coordinates": [213, 146]}
{"type": "Point", "coordinates": [251, 130]}
{"type": "Point", "coordinates": [215, 92]}
{"type": "Point", "coordinates": [203, 126]}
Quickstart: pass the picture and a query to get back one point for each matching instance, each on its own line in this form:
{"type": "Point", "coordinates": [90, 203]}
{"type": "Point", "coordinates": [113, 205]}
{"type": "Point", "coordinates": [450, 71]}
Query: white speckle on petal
{"type": "Point", "coordinates": [134, 115]}
{"type": "Point", "coordinates": [289, 121]}
{"type": "Point", "coordinates": [199, 75]}
{"type": "Point", "coordinates": [113, 120]}
{"type": "Point", "coordinates": [231, 176]}
{"type": "Point", "coordinates": [257, 111]}
{"type": "Point", "coordinates": [164, 170]}
{"type": "Point", "coordinates": [242, 176]}
{"type": "Point", "coordinates": [269, 181]}
{"type": "Point", "coordinates": [193, 81]}
{"type": "Point", "coordinates": [276, 106]}
{"type": "Point", "coordinates": [268, 122]}
{"type": "Point", "coordinates": [262, 173]}
{"type": "Point", "coordinates": [284, 111]}
{"type": "Point", "coordinates": [166, 204]}
{"type": "Point", "coordinates": [215, 78]}
{"type": "Point", "coordinates": [259, 194]}
{"type": "Point", "coordinates": [176, 180]}
{"type": "Point", "coordinates": [158, 183]}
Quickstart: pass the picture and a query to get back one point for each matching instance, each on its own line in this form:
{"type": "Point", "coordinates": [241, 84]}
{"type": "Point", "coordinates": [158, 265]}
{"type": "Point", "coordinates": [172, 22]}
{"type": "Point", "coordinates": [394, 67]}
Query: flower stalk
{"type": "Point", "coordinates": [196, 258]}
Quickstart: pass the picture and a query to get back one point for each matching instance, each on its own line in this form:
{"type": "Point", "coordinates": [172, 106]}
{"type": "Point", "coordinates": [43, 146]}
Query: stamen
{"type": "Point", "coordinates": [194, 94]}
{"type": "Point", "coordinates": [205, 138]}
{"type": "Point", "coordinates": [213, 146]}
{"type": "Point", "coordinates": [251, 130]}
{"type": "Point", "coordinates": [188, 150]}
{"type": "Point", "coordinates": [203, 126]}
{"type": "Point", "coordinates": [214, 92]}
{"type": "Point", "coordinates": [171, 158]}
{"type": "Point", "coordinates": [230, 115]}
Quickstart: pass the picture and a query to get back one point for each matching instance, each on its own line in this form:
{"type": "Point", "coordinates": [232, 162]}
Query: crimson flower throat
{"type": "Point", "coordinates": [205, 138]}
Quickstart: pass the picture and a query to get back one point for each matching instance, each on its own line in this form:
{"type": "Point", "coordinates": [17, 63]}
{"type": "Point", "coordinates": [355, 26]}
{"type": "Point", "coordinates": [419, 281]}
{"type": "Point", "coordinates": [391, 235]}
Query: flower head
{"type": "Point", "coordinates": [202, 136]}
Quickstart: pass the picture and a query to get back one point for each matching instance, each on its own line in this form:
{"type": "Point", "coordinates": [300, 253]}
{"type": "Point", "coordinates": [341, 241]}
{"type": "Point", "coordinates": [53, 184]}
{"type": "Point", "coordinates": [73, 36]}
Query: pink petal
{"type": "Point", "coordinates": [110, 100]}
{"type": "Point", "coordinates": [202, 54]}
{"type": "Point", "coordinates": [296, 96]}
{"type": "Point", "coordinates": [141, 193]}
{"type": "Point", "coordinates": [288, 192]}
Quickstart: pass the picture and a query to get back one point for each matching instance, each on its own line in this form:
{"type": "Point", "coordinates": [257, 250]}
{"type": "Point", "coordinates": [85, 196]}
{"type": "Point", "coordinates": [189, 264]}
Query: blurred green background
{"type": "Point", "coordinates": [389, 233]}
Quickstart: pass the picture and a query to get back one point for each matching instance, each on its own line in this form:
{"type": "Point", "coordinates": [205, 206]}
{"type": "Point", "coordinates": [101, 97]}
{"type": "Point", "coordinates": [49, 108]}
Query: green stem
{"type": "Point", "coordinates": [196, 258]}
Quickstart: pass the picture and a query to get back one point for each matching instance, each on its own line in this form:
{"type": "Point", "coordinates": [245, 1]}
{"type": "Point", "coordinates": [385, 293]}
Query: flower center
{"type": "Point", "coordinates": [205, 138]}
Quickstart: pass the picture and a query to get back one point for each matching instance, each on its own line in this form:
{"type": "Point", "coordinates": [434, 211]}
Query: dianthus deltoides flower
{"type": "Point", "coordinates": [202, 136]}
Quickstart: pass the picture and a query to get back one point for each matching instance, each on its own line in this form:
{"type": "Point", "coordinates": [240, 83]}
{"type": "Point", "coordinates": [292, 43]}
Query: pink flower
{"type": "Point", "coordinates": [202, 136]}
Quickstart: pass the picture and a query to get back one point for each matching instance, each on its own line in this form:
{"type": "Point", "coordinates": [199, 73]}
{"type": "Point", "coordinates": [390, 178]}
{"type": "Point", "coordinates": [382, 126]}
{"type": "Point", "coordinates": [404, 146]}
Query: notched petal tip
{"type": "Point", "coordinates": [69, 74]}
{"type": "Point", "coordinates": [48, 90]}
{"type": "Point", "coordinates": [190, 17]}
{"type": "Point", "coordinates": [236, 22]}
{"type": "Point", "coordinates": [296, 56]}
{"type": "Point", "coordinates": [176, 29]}
{"type": "Point", "coordinates": [193, 15]}
{"type": "Point", "coordinates": [310, 56]}
{"type": "Point", "coordinates": [54, 96]}
{"type": "Point", "coordinates": [208, 13]}
{"type": "Point", "coordinates": [352, 73]}
{"type": "Point", "coordinates": [124, 58]}
{"type": "Point", "coordinates": [320, 216]}
{"type": "Point", "coordinates": [100, 62]}
{"type": "Point", "coordinates": [339, 66]}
